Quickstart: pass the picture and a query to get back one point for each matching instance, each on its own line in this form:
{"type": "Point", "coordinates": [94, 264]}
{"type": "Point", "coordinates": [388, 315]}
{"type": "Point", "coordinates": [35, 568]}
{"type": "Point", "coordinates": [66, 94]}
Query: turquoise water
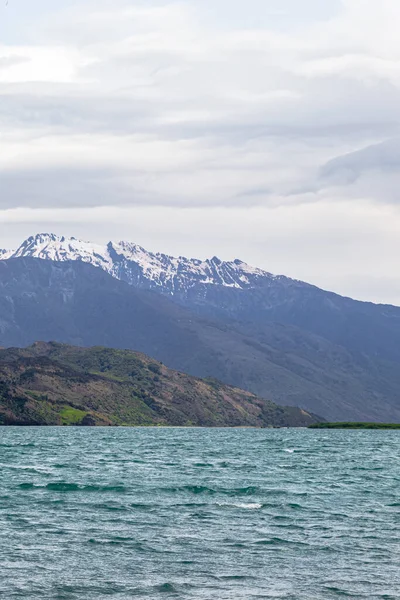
{"type": "Point", "coordinates": [199, 514]}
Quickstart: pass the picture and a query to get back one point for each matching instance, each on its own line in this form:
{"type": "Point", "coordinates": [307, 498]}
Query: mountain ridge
{"type": "Point", "coordinates": [130, 262]}
{"type": "Point", "coordinates": [234, 292]}
{"type": "Point", "coordinates": [135, 265]}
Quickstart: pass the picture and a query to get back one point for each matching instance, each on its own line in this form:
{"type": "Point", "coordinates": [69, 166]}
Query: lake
{"type": "Point", "coordinates": [199, 514]}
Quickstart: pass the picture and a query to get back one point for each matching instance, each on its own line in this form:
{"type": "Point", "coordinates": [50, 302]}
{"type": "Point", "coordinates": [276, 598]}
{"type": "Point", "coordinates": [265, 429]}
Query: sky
{"type": "Point", "coordinates": [266, 130]}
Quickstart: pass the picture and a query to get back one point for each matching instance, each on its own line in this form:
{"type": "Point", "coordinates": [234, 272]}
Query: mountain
{"type": "Point", "coordinates": [135, 265]}
{"type": "Point", "coordinates": [79, 304]}
{"type": "Point", "coordinates": [235, 292]}
{"type": "Point", "coordinates": [54, 384]}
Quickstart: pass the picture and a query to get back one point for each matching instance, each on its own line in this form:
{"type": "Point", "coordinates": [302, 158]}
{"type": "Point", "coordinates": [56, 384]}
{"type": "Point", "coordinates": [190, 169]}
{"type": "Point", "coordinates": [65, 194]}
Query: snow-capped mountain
{"type": "Point", "coordinates": [48, 246]}
{"type": "Point", "coordinates": [135, 265]}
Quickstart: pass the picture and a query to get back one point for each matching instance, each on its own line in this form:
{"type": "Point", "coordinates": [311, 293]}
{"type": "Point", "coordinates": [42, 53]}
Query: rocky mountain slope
{"type": "Point", "coordinates": [53, 384]}
{"type": "Point", "coordinates": [79, 304]}
{"type": "Point", "coordinates": [135, 265]}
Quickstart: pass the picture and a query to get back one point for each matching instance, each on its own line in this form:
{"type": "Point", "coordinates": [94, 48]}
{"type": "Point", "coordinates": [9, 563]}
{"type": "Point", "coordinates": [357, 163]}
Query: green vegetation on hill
{"type": "Point", "coordinates": [56, 384]}
{"type": "Point", "coordinates": [354, 426]}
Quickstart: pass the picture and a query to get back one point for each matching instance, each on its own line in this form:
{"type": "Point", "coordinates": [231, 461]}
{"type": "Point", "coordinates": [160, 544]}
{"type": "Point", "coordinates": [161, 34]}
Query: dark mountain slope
{"type": "Point", "coordinates": [79, 304]}
{"type": "Point", "coordinates": [233, 291]}
{"type": "Point", "coordinates": [360, 327]}
{"type": "Point", "coordinates": [53, 384]}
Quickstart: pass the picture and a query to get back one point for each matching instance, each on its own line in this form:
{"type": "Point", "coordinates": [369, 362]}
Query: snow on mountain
{"type": "Point", "coordinates": [5, 254]}
{"type": "Point", "coordinates": [48, 246]}
{"type": "Point", "coordinates": [135, 265]}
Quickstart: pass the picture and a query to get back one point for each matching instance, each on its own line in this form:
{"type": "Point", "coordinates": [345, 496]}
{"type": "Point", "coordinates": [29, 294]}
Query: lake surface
{"type": "Point", "coordinates": [202, 514]}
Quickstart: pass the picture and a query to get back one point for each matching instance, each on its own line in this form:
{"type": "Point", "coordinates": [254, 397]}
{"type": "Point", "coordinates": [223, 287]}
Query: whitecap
{"type": "Point", "coordinates": [251, 506]}
{"type": "Point", "coordinates": [244, 506]}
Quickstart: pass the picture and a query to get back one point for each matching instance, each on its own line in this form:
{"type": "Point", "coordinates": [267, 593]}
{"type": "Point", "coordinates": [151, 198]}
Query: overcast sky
{"type": "Point", "coordinates": [267, 130]}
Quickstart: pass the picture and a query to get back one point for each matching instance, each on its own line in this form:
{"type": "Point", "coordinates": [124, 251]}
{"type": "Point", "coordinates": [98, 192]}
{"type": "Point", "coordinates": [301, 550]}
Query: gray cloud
{"type": "Point", "coordinates": [346, 169]}
{"type": "Point", "coordinates": [273, 122]}
{"type": "Point", "coordinates": [61, 187]}
{"type": "Point", "coordinates": [270, 102]}
{"type": "Point", "coordinates": [372, 172]}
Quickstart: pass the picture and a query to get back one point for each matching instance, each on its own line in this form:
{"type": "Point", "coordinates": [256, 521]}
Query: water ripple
{"type": "Point", "coordinates": [199, 514]}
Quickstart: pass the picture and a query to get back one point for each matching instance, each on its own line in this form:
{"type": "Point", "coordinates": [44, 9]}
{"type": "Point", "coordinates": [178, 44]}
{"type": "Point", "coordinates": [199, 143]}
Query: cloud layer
{"type": "Point", "coordinates": [241, 121]}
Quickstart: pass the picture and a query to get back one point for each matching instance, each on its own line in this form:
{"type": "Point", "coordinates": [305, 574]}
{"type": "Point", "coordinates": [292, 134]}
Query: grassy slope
{"type": "Point", "coordinates": [55, 384]}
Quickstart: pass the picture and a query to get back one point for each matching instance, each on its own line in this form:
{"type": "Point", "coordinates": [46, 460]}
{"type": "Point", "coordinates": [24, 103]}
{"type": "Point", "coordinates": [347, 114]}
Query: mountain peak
{"type": "Point", "coordinates": [49, 246]}
{"type": "Point", "coordinates": [135, 265]}
{"type": "Point", "coordinates": [43, 238]}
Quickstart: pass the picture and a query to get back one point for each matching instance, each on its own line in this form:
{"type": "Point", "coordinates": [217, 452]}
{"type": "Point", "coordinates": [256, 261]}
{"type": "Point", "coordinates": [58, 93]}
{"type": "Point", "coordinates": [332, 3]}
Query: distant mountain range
{"type": "Point", "coordinates": [277, 337]}
{"type": "Point", "coordinates": [54, 384]}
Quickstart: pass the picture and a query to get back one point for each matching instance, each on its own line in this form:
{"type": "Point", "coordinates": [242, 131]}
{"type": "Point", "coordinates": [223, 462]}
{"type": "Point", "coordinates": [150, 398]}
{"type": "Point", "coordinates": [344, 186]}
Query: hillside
{"type": "Point", "coordinates": [54, 384]}
{"type": "Point", "coordinates": [79, 304]}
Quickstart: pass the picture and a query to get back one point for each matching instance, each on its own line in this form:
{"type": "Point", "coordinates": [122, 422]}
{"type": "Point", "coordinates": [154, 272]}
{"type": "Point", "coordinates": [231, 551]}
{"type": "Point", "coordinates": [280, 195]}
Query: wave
{"type": "Point", "coordinates": [242, 505]}
{"type": "Point", "coordinates": [339, 592]}
{"type": "Point", "coordinates": [110, 507]}
{"type": "Point", "coordinates": [27, 445]}
{"type": "Point", "coordinates": [167, 588]}
{"type": "Point", "coordinates": [28, 468]}
{"type": "Point", "coordinates": [201, 489]}
{"type": "Point", "coordinates": [63, 486]}
{"type": "Point", "coordinates": [277, 541]}
{"type": "Point", "coordinates": [119, 541]}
